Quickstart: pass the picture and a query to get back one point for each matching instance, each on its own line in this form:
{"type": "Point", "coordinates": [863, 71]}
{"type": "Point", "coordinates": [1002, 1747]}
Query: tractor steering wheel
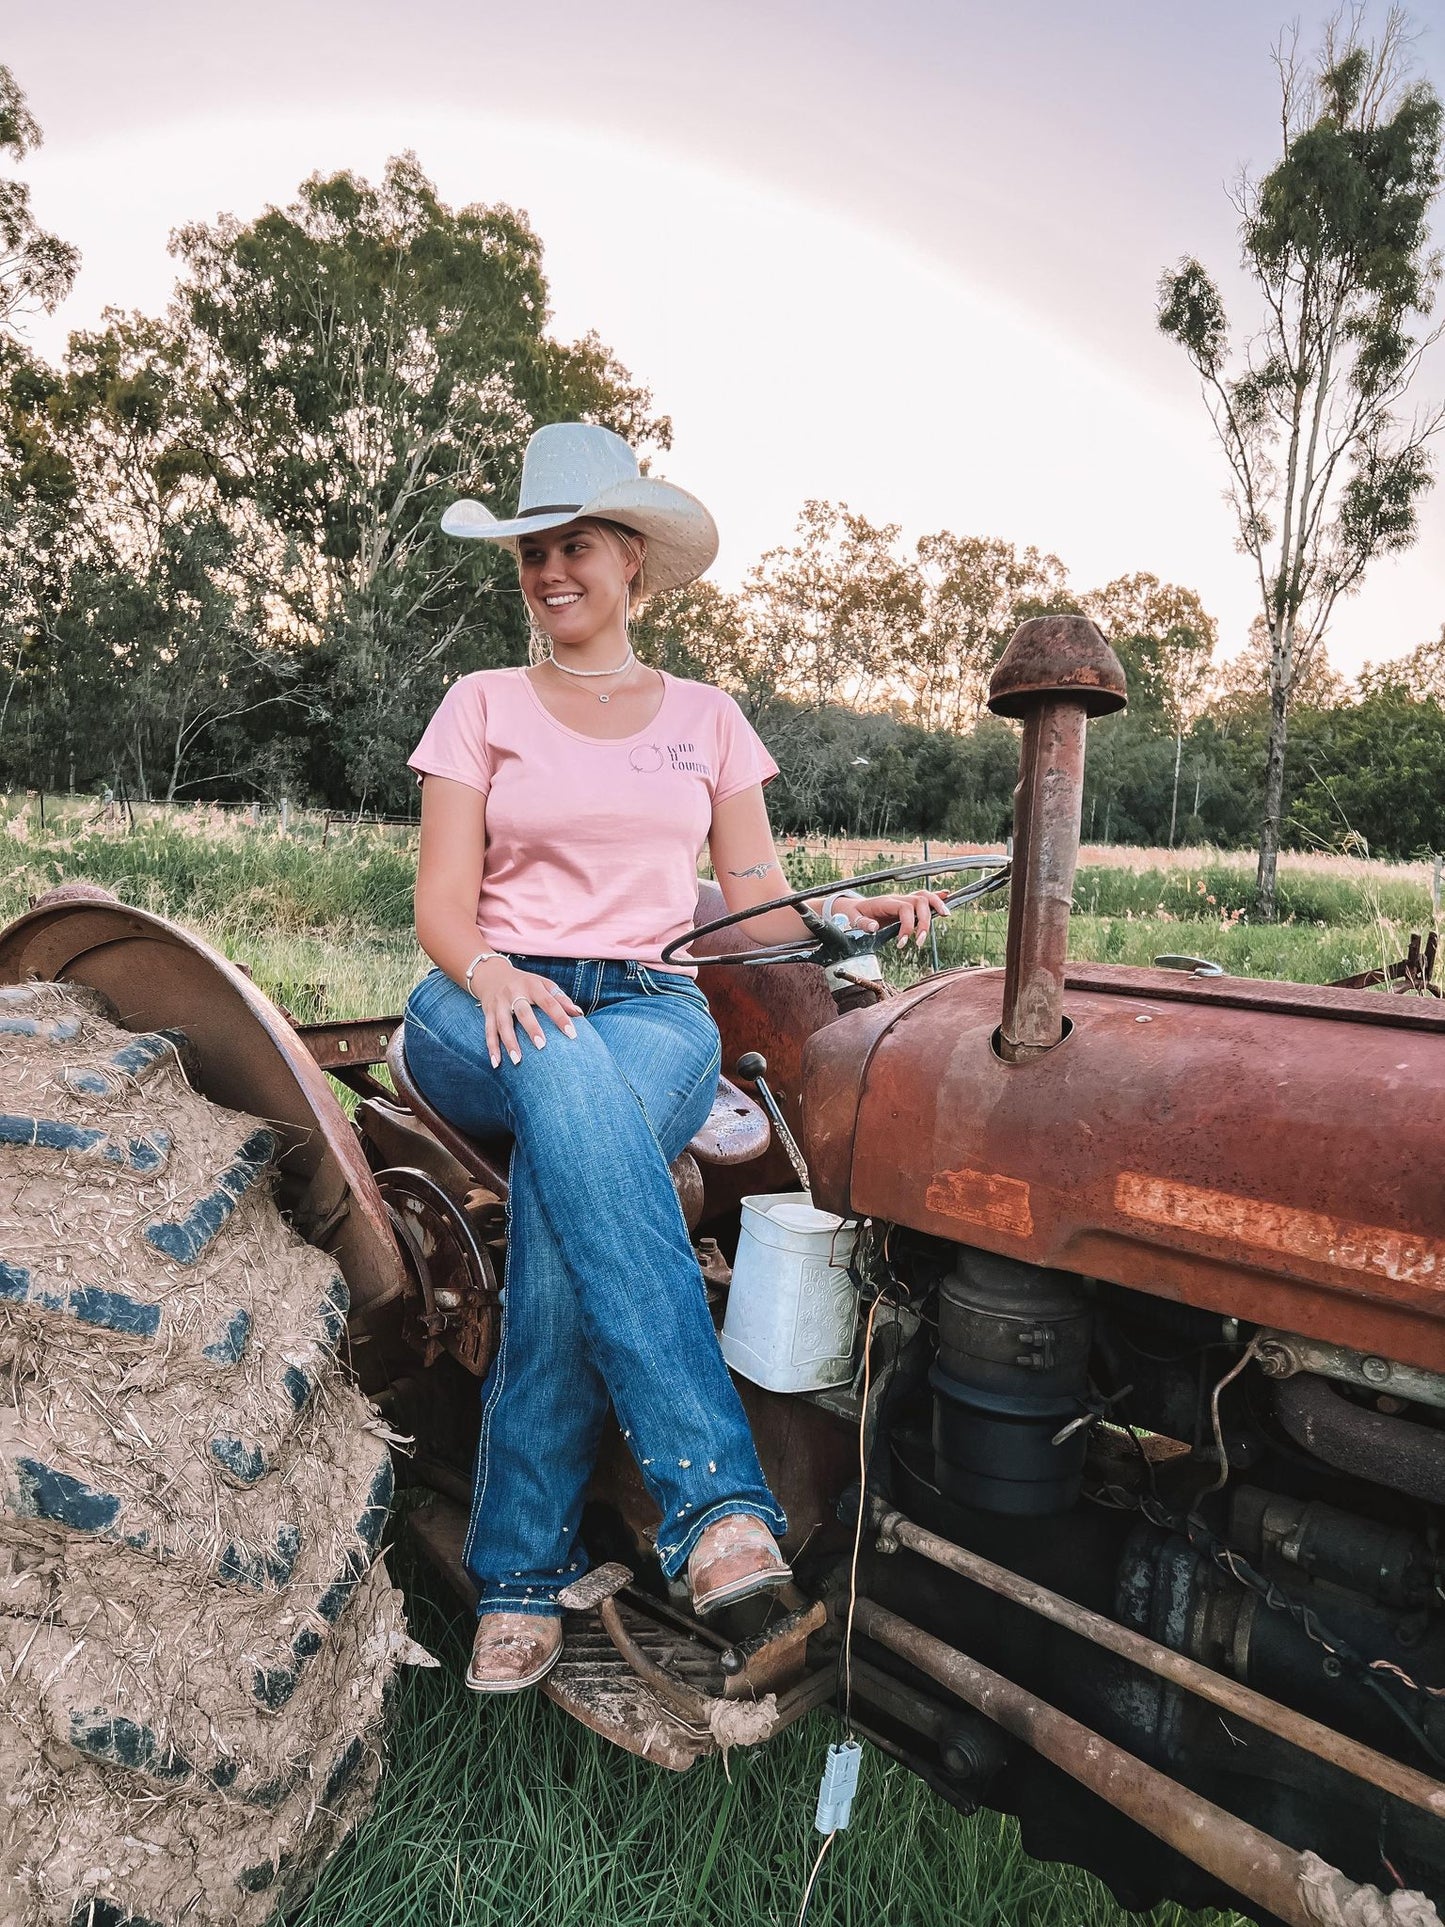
{"type": "Point", "coordinates": [833, 943]}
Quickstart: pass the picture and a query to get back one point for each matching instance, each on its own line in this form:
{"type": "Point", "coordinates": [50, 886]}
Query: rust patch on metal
{"type": "Point", "coordinates": [984, 1198]}
{"type": "Point", "coordinates": [1057, 656]}
{"type": "Point", "coordinates": [772, 1008]}
{"type": "Point", "coordinates": [776, 1658]}
{"type": "Point", "coordinates": [1163, 1097]}
{"type": "Point", "coordinates": [349, 1046]}
{"type": "Point", "coordinates": [1258, 994]}
{"type": "Point", "coordinates": [1226, 1218]}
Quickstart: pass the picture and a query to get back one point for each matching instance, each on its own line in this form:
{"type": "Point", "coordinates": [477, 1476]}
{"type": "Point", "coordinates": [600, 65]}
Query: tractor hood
{"type": "Point", "coordinates": [1269, 1151]}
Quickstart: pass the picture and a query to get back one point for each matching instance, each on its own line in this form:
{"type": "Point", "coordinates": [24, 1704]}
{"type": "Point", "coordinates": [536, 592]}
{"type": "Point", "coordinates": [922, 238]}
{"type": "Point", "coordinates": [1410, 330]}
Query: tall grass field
{"type": "Point", "coordinates": [326, 927]}
{"type": "Point", "coordinates": [506, 1811]}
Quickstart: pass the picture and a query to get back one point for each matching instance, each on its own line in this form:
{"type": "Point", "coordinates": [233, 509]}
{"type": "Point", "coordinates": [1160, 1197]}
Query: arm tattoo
{"type": "Point", "coordinates": [753, 870]}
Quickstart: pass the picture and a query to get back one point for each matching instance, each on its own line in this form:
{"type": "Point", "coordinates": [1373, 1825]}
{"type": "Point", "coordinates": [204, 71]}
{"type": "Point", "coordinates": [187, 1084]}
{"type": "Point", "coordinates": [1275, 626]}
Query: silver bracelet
{"type": "Point", "coordinates": [828, 903]}
{"type": "Point", "coordinates": [481, 957]}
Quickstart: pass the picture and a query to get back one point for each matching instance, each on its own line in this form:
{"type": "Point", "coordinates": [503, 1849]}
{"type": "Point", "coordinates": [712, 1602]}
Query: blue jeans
{"type": "Point", "coordinates": [602, 1295]}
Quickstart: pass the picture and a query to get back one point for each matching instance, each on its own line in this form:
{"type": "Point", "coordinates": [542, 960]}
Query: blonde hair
{"type": "Point", "coordinates": [634, 547]}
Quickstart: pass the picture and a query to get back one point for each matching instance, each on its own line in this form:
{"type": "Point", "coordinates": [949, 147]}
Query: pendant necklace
{"type": "Point", "coordinates": [620, 670]}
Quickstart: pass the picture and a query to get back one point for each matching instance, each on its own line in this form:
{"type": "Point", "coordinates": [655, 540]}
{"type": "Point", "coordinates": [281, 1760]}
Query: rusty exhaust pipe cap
{"type": "Point", "coordinates": [1056, 673]}
{"type": "Point", "coordinates": [1057, 657]}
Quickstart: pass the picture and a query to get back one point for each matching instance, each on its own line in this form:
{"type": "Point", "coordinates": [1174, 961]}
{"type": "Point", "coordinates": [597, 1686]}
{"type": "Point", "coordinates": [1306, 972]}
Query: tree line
{"type": "Point", "coordinates": [221, 571]}
{"type": "Point", "coordinates": [883, 742]}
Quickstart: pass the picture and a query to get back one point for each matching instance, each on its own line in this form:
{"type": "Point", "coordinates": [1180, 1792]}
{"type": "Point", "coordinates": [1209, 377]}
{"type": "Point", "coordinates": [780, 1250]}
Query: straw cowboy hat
{"type": "Point", "coordinates": [573, 469]}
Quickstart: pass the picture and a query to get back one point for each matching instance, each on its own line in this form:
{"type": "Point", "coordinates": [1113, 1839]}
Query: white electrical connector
{"type": "Point", "coordinates": [838, 1785]}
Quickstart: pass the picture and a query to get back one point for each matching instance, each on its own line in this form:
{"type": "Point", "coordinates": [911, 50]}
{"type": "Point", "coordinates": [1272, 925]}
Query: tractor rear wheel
{"type": "Point", "coordinates": [197, 1634]}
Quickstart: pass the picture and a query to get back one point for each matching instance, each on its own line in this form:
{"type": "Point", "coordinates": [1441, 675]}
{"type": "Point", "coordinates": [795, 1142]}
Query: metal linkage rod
{"type": "Point", "coordinates": [1267, 1873]}
{"type": "Point", "coordinates": [1378, 1769]}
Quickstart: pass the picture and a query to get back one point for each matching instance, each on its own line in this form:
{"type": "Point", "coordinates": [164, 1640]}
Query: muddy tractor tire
{"type": "Point", "coordinates": [196, 1632]}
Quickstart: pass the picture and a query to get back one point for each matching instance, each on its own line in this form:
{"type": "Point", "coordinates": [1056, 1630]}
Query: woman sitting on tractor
{"type": "Point", "coordinates": [563, 810]}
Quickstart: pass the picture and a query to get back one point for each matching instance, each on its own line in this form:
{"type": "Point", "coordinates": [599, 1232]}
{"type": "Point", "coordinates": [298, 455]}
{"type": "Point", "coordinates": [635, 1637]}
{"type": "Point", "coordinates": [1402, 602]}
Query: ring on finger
{"type": "Point", "coordinates": [519, 1000]}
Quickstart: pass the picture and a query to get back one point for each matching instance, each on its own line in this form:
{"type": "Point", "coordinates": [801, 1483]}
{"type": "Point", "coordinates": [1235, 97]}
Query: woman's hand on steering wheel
{"type": "Point", "coordinates": [912, 913]}
{"type": "Point", "coordinates": [872, 920]}
{"type": "Point", "coordinates": [510, 999]}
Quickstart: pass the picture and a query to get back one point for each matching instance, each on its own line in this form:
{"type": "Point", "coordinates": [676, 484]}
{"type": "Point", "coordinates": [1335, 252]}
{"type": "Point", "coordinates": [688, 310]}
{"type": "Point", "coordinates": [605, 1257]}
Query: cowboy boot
{"type": "Point", "coordinates": [512, 1651]}
{"type": "Point", "coordinates": [732, 1560]}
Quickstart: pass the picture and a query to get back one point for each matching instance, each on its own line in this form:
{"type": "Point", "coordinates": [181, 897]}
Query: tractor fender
{"type": "Point", "coordinates": [250, 1059]}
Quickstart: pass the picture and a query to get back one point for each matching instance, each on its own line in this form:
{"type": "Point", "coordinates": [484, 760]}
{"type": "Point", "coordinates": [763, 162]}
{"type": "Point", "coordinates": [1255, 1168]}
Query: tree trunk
{"type": "Point", "coordinates": [177, 757]}
{"type": "Point", "coordinates": [1264, 880]}
{"type": "Point", "coordinates": [1174, 799]}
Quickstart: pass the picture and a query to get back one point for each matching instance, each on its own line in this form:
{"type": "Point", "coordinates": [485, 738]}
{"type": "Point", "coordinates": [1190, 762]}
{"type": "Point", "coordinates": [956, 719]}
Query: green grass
{"type": "Point", "coordinates": [506, 1811]}
{"type": "Point", "coordinates": [218, 873]}
{"type": "Point", "coordinates": [1304, 953]}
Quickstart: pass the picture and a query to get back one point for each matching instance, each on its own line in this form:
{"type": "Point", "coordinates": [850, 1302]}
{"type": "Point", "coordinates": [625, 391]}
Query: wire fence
{"type": "Point", "coordinates": [122, 813]}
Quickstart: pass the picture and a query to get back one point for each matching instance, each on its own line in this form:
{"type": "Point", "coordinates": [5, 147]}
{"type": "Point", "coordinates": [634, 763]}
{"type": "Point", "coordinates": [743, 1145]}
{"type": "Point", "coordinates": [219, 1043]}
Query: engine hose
{"type": "Point", "coordinates": [1394, 1452]}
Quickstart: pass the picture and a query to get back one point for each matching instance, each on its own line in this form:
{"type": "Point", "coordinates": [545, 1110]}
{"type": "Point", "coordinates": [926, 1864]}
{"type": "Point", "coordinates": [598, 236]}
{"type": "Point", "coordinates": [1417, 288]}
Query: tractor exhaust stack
{"type": "Point", "coordinates": [1056, 673]}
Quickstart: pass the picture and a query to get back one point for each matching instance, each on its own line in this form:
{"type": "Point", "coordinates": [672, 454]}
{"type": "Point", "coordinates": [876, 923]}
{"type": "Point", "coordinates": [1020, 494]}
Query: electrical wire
{"type": "Point", "coordinates": [1228, 1379]}
{"type": "Point", "coordinates": [1366, 1672]}
{"type": "Point", "coordinates": [858, 1529]}
{"type": "Point", "coordinates": [813, 1878]}
{"type": "Point", "coordinates": [847, 1655]}
{"type": "Point", "coordinates": [1389, 1666]}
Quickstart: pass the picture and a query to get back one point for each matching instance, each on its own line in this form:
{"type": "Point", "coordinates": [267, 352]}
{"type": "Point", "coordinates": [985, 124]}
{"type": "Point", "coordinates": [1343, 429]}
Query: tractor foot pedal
{"type": "Point", "coordinates": [774, 1659]}
{"type": "Point", "coordinates": [586, 1594]}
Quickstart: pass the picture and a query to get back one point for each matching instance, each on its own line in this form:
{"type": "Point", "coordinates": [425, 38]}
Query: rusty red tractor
{"type": "Point", "coordinates": [1149, 1376]}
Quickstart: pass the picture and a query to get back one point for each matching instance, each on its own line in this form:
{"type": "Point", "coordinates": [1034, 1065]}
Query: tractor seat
{"type": "Point", "coordinates": [736, 1131]}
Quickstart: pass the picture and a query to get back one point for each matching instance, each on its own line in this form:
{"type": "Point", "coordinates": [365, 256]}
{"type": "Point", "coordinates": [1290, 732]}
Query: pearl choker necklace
{"type": "Point", "coordinates": [622, 667]}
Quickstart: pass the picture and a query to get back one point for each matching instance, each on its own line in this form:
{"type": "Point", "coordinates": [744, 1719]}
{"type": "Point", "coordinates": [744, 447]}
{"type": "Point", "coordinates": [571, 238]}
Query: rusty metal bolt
{"type": "Point", "coordinates": [1377, 1370]}
{"type": "Point", "coordinates": [1056, 673]}
{"type": "Point", "coordinates": [1274, 1361]}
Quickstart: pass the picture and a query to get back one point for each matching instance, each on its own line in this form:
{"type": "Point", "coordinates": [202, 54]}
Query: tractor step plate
{"type": "Point", "coordinates": [595, 1684]}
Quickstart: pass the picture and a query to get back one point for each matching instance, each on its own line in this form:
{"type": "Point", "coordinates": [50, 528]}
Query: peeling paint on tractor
{"type": "Point", "coordinates": [1218, 1155]}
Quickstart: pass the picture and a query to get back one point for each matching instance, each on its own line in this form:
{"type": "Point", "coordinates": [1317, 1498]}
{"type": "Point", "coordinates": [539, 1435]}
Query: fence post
{"type": "Point", "coordinates": [1435, 887]}
{"type": "Point", "coordinates": [933, 921]}
{"type": "Point", "coordinates": [285, 815]}
{"type": "Point", "coordinates": [253, 815]}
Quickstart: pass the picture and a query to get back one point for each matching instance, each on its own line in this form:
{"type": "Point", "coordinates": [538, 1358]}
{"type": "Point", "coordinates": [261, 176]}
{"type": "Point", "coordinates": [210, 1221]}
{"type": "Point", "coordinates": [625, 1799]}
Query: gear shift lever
{"type": "Point", "coordinates": [752, 1067]}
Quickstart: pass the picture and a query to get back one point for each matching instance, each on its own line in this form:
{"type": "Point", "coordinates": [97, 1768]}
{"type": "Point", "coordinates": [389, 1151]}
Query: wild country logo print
{"type": "Point", "coordinates": [683, 759]}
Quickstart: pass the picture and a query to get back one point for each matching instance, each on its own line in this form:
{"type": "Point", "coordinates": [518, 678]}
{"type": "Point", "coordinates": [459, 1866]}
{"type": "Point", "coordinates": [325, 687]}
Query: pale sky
{"type": "Point", "coordinates": [901, 258]}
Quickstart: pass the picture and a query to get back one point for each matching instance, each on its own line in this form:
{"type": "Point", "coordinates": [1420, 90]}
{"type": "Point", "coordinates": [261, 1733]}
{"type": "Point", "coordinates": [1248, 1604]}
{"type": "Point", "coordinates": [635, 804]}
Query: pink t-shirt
{"type": "Point", "coordinates": [592, 846]}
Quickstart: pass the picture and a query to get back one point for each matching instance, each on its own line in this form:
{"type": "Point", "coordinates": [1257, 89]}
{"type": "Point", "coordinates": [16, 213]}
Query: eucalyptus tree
{"type": "Point", "coordinates": [144, 651]}
{"type": "Point", "coordinates": [1166, 639]}
{"type": "Point", "coordinates": [1420, 672]}
{"type": "Point", "coordinates": [1326, 468]}
{"type": "Point", "coordinates": [365, 354]}
{"type": "Point", "coordinates": [974, 590]}
{"type": "Point", "coordinates": [37, 269]}
{"type": "Point", "coordinates": [704, 632]}
{"type": "Point", "coordinates": [837, 610]}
